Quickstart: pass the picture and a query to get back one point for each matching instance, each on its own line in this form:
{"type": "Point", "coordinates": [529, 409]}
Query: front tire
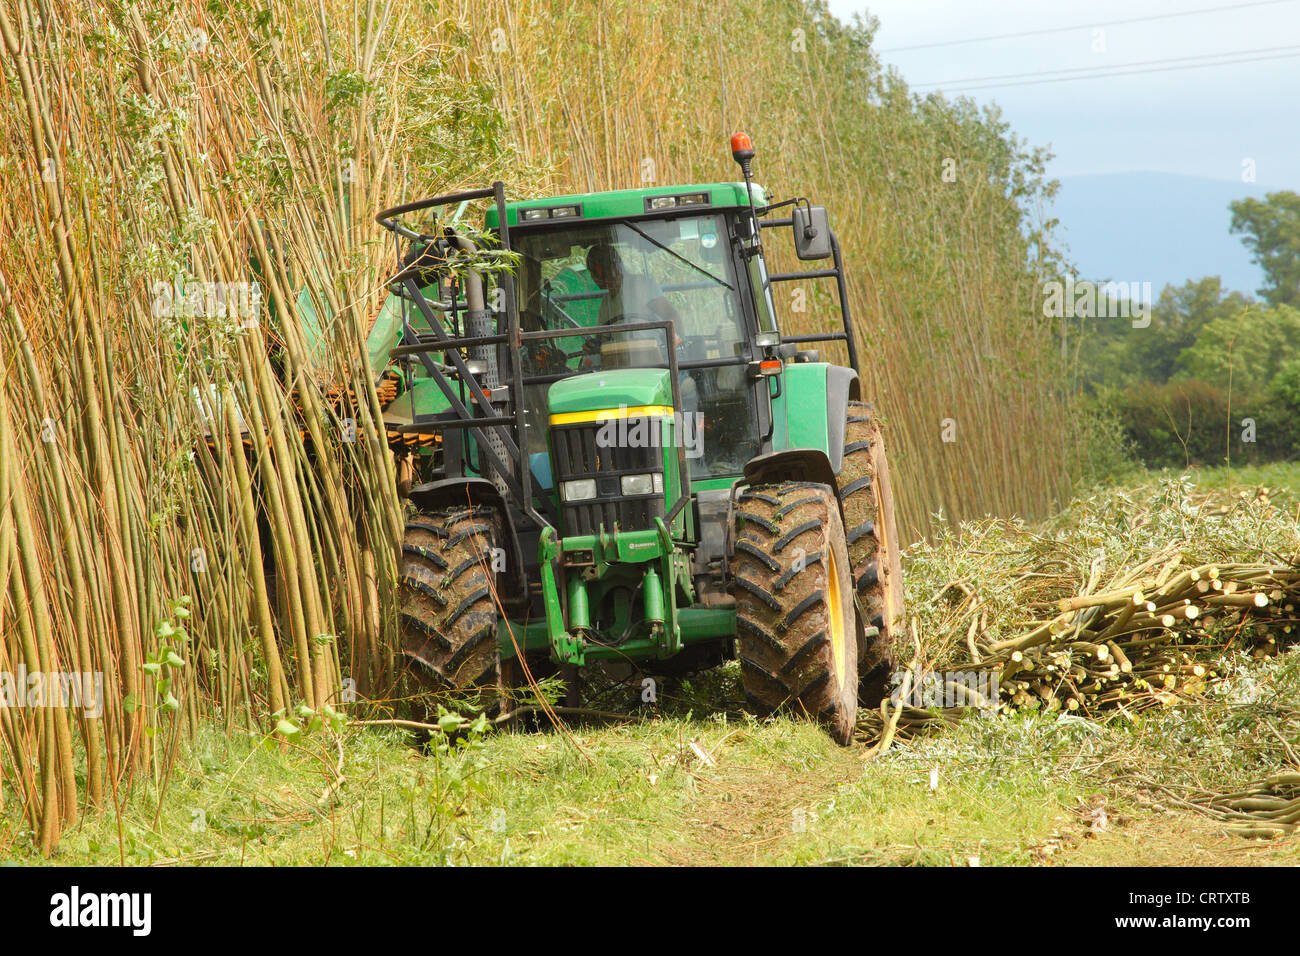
{"type": "Point", "coordinates": [795, 618]}
{"type": "Point", "coordinates": [448, 597]}
{"type": "Point", "coordinates": [872, 531]}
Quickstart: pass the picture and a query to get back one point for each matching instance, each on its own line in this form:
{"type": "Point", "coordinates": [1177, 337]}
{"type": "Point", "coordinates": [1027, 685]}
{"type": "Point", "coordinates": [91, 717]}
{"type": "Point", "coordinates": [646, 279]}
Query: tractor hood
{"type": "Point", "coordinates": [630, 387]}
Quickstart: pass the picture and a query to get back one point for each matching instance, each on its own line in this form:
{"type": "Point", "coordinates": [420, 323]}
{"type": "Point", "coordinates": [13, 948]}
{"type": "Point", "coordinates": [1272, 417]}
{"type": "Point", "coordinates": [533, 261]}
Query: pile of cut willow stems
{"type": "Point", "coordinates": [1156, 635]}
{"type": "Point", "coordinates": [1265, 809]}
{"type": "Point", "coordinates": [1148, 640]}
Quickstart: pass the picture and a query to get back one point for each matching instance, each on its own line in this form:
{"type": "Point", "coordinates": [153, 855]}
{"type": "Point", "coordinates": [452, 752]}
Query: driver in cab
{"type": "Point", "coordinates": [632, 297]}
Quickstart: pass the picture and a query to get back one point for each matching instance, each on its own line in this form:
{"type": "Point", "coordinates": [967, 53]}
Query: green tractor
{"type": "Point", "coordinates": [612, 454]}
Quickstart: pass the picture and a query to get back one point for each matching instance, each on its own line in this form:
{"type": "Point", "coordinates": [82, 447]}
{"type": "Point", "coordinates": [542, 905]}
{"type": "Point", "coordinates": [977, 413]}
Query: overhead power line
{"type": "Point", "coordinates": [1084, 26]}
{"type": "Point", "coordinates": [1120, 72]}
{"type": "Point", "coordinates": [1102, 70]}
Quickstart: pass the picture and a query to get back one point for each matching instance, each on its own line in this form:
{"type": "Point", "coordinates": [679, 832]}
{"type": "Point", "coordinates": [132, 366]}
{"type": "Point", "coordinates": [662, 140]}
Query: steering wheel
{"type": "Point", "coordinates": [548, 358]}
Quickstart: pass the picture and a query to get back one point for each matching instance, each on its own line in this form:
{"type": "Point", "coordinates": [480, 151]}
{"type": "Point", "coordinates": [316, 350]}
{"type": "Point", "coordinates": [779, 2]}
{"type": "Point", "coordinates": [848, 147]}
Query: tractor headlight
{"type": "Point", "coordinates": [642, 484]}
{"type": "Point", "coordinates": [579, 489]}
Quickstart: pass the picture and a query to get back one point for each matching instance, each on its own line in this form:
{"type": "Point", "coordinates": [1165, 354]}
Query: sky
{"type": "Point", "coordinates": [1203, 122]}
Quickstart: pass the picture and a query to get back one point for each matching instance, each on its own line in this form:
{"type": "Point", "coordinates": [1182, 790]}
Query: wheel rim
{"type": "Point", "coordinates": [884, 555]}
{"type": "Point", "coordinates": [835, 609]}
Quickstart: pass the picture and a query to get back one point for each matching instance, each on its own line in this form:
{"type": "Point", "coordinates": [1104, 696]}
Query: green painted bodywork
{"type": "Point", "coordinates": [800, 412]}
{"type": "Point", "coordinates": [696, 625]}
{"type": "Point", "coordinates": [626, 389]}
{"type": "Point", "coordinates": [384, 334]}
{"type": "Point", "coordinates": [647, 564]}
{"type": "Point", "coordinates": [650, 563]}
{"type": "Point", "coordinates": [423, 396]}
{"type": "Point", "coordinates": [610, 389]}
{"type": "Point", "coordinates": [625, 203]}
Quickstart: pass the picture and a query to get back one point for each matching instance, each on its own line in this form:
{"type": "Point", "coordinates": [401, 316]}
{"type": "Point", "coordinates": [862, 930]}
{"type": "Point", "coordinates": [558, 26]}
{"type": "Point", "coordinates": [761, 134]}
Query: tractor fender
{"type": "Point", "coordinates": [446, 492]}
{"type": "Point", "coordinates": [842, 386]}
{"type": "Point", "coordinates": [813, 405]}
{"type": "Point", "coordinates": [791, 464]}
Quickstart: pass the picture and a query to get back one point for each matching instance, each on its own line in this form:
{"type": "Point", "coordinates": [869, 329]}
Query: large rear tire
{"type": "Point", "coordinates": [872, 533]}
{"type": "Point", "coordinates": [795, 619]}
{"type": "Point", "coordinates": [448, 597]}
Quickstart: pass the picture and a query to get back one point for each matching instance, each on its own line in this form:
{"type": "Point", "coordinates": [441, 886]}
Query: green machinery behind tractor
{"type": "Point", "coordinates": [612, 454]}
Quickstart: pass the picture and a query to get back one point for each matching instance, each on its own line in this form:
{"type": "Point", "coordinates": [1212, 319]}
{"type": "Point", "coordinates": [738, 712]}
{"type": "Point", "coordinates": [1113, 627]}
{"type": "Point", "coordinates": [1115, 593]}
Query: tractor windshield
{"type": "Point", "coordinates": [603, 275]}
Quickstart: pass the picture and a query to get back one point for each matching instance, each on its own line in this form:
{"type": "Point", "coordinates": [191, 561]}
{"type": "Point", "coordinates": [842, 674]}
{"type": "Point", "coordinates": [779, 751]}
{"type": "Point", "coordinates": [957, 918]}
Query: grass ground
{"type": "Point", "coordinates": [694, 781]}
{"type": "Point", "coordinates": [1016, 791]}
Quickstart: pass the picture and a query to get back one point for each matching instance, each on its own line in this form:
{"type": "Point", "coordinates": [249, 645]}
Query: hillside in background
{"type": "Point", "coordinates": [1160, 228]}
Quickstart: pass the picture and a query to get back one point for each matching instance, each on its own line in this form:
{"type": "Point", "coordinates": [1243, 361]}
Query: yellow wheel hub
{"type": "Point", "coordinates": [835, 610]}
{"type": "Point", "coordinates": [883, 554]}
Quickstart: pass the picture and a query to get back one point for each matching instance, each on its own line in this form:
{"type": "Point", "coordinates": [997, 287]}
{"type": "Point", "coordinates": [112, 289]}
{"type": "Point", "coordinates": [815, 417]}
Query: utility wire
{"type": "Point", "coordinates": [1083, 26]}
{"type": "Point", "coordinates": [1111, 66]}
{"type": "Point", "coordinates": [1099, 76]}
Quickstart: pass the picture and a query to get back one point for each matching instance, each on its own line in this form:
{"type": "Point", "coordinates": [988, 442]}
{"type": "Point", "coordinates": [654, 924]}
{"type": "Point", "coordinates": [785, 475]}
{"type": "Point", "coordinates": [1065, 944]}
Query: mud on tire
{"type": "Point", "coordinates": [872, 535]}
{"type": "Point", "coordinates": [795, 618]}
{"type": "Point", "coordinates": [448, 608]}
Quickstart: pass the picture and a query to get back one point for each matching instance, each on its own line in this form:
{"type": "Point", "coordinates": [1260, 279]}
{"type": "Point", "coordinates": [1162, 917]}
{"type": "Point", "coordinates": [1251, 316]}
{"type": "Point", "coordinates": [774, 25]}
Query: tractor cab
{"type": "Point", "coordinates": [618, 260]}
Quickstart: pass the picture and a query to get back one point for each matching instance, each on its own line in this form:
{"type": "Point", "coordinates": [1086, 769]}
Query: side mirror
{"type": "Point", "coordinates": [812, 232]}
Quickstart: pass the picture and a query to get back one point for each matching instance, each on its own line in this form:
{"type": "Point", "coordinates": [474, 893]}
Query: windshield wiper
{"type": "Point", "coordinates": [678, 255]}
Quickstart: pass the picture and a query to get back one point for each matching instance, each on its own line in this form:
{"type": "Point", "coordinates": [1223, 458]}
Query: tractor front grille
{"type": "Point", "coordinates": [578, 453]}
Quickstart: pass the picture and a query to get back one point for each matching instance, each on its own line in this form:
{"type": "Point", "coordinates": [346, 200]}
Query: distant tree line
{"type": "Point", "coordinates": [1216, 374]}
